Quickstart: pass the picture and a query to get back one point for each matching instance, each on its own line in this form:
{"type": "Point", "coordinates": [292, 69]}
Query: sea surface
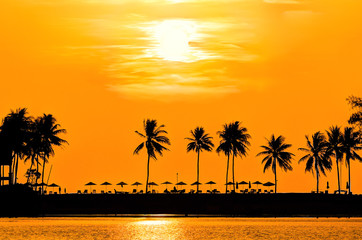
{"type": "Point", "coordinates": [180, 228]}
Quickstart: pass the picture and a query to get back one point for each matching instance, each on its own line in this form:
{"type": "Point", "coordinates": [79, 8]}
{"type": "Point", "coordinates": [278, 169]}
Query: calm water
{"type": "Point", "coordinates": [179, 228]}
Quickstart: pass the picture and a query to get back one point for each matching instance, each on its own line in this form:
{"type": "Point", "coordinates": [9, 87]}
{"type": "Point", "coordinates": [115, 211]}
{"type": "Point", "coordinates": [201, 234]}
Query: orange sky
{"type": "Point", "coordinates": [102, 66]}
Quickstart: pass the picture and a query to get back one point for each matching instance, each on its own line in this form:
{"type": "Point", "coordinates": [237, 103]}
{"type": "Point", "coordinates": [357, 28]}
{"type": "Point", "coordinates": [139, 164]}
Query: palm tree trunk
{"type": "Point", "coordinates": [233, 173]}
{"type": "Point", "coordinates": [198, 168]}
{"type": "Point", "coordinates": [31, 166]}
{"type": "Point", "coordinates": [42, 177]}
{"type": "Point", "coordinates": [37, 169]}
{"type": "Point", "coordinates": [317, 174]}
{"type": "Point", "coordinates": [16, 169]}
{"type": "Point", "coordinates": [148, 172]}
{"type": "Point", "coordinates": [275, 175]}
{"type": "Point", "coordinates": [339, 182]}
{"type": "Point", "coordinates": [227, 173]}
{"type": "Point", "coordinates": [349, 176]}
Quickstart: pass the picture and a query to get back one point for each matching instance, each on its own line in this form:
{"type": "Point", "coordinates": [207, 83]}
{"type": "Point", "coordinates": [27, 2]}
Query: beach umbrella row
{"type": "Point", "coordinates": [90, 184]}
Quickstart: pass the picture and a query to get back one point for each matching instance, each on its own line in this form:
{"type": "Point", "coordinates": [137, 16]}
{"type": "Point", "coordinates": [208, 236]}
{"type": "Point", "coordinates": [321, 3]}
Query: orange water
{"type": "Point", "coordinates": [180, 228]}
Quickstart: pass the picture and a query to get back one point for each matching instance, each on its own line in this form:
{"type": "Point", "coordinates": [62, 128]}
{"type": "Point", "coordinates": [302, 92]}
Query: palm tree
{"type": "Point", "coordinates": [318, 155]}
{"type": "Point", "coordinates": [225, 146]}
{"type": "Point", "coordinates": [275, 153]}
{"type": "Point", "coordinates": [240, 142]}
{"type": "Point", "coordinates": [351, 143]}
{"type": "Point", "coordinates": [15, 130]}
{"type": "Point", "coordinates": [356, 118]}
{"type": "Point", "coordinates": [49, 130]}
{"type": "Point", "coordinates": [198, 142]}
{"type": "Point", "coordinates": [153, 142]}
{"type": "Point", "coordinates": [334, 143]}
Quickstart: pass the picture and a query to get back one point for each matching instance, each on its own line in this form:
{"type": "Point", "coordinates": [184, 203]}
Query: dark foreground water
{"type": "Point", "coordinates": [180, 228]}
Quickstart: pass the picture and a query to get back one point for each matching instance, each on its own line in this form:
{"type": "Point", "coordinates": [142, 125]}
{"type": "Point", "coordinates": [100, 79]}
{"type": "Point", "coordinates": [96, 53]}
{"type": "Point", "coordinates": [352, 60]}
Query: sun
{"type": "Point", "coordinates": [174, 37]}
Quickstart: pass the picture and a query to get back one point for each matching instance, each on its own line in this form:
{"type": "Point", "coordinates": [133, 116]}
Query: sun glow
{"type": "Point", "coordinates": [174, 37]}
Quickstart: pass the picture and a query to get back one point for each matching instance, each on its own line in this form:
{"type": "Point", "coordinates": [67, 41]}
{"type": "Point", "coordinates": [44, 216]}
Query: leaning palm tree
{"type": "Point", "coordinates": [334, 142]}
{"type": "Point", "coordinates": [351, 143]}
{"type": "Point", "coordinates": [225, 146]}
{"type": "Point", "coordinates": [198, 142]}
{"type": "Point", "coordinates": [49, 130]}
{"type": "Point", "coordinates": [240, 142]}
{"type": "Point", "coordinates": [154, 139]}
{"type": "Point", "coordinates": [275, 153]}
{"type": "Point", "coordinates": [318, 155]}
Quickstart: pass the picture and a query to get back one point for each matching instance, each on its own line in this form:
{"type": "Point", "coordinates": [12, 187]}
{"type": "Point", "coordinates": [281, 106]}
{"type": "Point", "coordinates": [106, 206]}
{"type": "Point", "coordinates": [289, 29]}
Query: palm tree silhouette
{"type": "Point", "coordinates": [356, 117]}
{"type": "Point", "coordinates": [153, 140]}
{"type": "Point", "coordinates": [318, 155]}
{"type": "Point", "coordinates": [198, 142]}
{"type": "Point", "coordinates": [225, 146]}
{"type": "Point", "coordinates": [351, 143]}
{"type": "Point", "coordinates": [275, 152]}
{"type": "Point", "coordinates": [239, 142]}
{"type": "Point", "coordinates": [334, 143]}
{"type": "Point", "coordinates": [49, 131]}
{"type": "Point", "coordinates": [15, 130]}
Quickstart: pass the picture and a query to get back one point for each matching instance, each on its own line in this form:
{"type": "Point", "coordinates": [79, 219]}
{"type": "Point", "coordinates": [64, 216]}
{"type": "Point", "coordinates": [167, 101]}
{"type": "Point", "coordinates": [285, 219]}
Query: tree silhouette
{"type": "Point", "coordinates": [351, 143]}
{"type": "Point", "coordinates": [49, 130]}
{"type": "Point", "coordinates": [334, 144]}
{"type": "Point", "coordinates": [15, 131]}
{"type": "Point", "coordinates": [318, 155]}
{"type": "Point", "coordinates": [240, 142]}
{"type": "Point", "coordinates": [356, 117]}
{"type": "Point", "coordinates": [225, 146]}
{"type": "Point", "coordinates": [153, 142]}
{"type": "Point", "coordinates": [198, 142]}
{"type": "Point", "coordinates": [275, 153]}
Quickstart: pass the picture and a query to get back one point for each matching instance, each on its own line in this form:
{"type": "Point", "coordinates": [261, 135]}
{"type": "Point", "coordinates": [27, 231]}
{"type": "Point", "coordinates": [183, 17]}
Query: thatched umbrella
{"type": "Point", "coordinates": [268, 184]}
{"type": "Point", "coordinates": [243, 183]}
{"type": "Point", "coordinates": [106, 184]}
{"type": "Point", "coordinates": [181, 184]}
{"type": "Point", "coordinates": [257, 184]}
{"type": "Point", "coordinates": [166, 183]}
{"type": "Point", "coordinates": [90, 184]}
{"type": "Point", "coordinates": [53, 185]}
{"type": "Point", "coordinates": [136, 184]}
{"type": "Point", "coordinates": [210, 183]}
{"type": "Point", "coordinates": [122, 184]}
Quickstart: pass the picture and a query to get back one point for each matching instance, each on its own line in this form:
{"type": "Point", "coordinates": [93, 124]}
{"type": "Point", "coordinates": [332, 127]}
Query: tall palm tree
{"type": "Point", "coordinates": [198, 142]}
{"type": "Point", "coordinates": [351, 142]}
{"type": "Point", "coordinates": [154, 139]}
{"type": "Point", "coordinates": [15, 130]}
{"type": "Point", "coordinates": [275, 152]}
{"type": "Point", "coordinates": [318, 155]}
{"type": "Point", "coordinates": [240, 142]}
{"type": "Point", "coordinates": [334, 143]}
{"type": "Point", "coordinates": [225, 146]}
{"type": "Point", "coordinates": [49, 131]}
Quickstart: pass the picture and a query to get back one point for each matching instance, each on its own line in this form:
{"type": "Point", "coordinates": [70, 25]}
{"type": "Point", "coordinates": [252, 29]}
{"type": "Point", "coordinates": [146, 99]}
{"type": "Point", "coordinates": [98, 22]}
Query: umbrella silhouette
{"type": "Point", "coordinates": [249, 184]}
{"type": "Point", "coordinates": [136, 184]}
{"type": "Point", "coordinates": [229, 183]}
{"type": "Point", "coordinates": [210, 183]}
{"type": "Point", "coordinates": [53, 185]}
{"type": "Point", "coordinates": [257, 184]}
{"type": "Point", "coordinates": [243, 183]}
{"type": "Point", "coordinates": [181, 184]}
{"type": "Point", "coordinates": [106, 184]}
{"type": "Point", "coordinates": [90, 184]}
{"type": "Point", "coordinates": [152, 184]}
{"type": "Point", "coordinates": [196, 183]}
{"type": "Point", "coordinates": [122, 183]}
{"type": "Point", "coordinates": [166, 183]}
{"type": "Point", "coordinates": [268, 184]}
